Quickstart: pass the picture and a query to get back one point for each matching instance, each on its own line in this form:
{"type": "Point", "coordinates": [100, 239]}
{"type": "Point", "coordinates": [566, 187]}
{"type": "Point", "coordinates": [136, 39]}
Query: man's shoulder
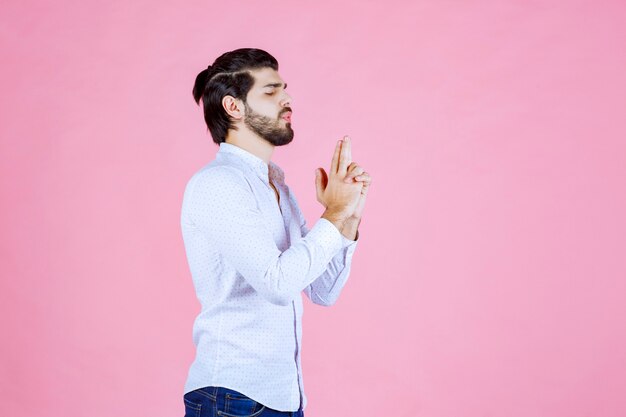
{"type": "Point", "coordinates": [217, 174]}
{"type": "Point", "coordinates": [216, 188]}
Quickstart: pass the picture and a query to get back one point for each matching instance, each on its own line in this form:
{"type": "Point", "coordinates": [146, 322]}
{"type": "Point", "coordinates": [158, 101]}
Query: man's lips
{"type": "Point", "coordinates": [287, 116]}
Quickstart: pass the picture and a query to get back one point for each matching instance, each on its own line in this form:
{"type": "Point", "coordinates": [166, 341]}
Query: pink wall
{"type": "Point", "coordinates": [490, 279]}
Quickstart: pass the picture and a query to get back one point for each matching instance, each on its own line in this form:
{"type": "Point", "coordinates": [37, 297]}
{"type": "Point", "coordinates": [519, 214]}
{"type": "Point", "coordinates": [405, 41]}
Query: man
{"type": "Point", "coordinates": [248, 247]}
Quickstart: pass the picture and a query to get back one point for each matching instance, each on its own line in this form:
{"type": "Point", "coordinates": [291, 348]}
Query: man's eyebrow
{"type": "Point", "coordinates": [275, 85]}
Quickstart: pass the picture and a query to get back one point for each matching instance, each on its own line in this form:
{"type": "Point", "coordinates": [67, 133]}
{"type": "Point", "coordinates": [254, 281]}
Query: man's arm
{"type": "Point", "coordinates": [222, 206]}
{"type": "Point", "coordinates": [326, 288]}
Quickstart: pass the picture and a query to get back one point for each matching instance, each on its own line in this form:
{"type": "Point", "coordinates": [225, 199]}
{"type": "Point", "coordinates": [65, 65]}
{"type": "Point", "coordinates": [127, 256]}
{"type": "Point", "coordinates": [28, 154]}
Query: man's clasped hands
{"type": "Point", "coordinates": [344, 189]}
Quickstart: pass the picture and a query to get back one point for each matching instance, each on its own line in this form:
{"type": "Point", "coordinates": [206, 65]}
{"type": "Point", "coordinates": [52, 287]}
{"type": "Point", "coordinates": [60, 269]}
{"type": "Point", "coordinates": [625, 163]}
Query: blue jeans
{"type": "Point", "coordinates": [224, 402]}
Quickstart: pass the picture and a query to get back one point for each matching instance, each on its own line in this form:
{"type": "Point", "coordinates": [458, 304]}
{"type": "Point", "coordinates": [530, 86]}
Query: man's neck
{"type": "Point", "coordinates": [253, 144]}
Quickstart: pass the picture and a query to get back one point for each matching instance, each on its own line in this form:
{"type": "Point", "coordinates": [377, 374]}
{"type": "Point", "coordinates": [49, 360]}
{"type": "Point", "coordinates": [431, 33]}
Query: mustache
{"type": "Point", "coordinates": [287, 109]}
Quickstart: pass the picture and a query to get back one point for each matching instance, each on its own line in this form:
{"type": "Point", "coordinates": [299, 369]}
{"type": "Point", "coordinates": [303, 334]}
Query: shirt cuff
{"type": "Point", "coordinates": [345, 242]}
{"type": "Point", "coordinates": [327, 234]}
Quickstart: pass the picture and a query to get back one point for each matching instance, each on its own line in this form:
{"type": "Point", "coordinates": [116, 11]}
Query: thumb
{"type": "Point", "coordinates": [319, 182]}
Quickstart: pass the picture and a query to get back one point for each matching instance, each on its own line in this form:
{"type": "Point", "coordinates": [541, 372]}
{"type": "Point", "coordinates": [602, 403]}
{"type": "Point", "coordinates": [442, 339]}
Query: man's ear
{"type": "Point", "coordinates": [233, 106]}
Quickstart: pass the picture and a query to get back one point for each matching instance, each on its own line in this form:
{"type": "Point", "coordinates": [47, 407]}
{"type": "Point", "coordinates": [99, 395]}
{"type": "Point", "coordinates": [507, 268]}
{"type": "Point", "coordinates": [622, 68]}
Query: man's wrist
{"type": "Point", "coordinates": [336, 217]}
{"type": "Point", "coordinates": [350, 229]}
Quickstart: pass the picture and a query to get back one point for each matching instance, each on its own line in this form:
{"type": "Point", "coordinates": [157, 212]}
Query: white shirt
{"type": "Point", "coordinates": [250, 258]}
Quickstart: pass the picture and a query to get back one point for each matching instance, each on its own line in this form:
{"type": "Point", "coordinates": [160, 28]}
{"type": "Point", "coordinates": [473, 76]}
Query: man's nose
{"type": "Point", "coordinates": [286, 100]}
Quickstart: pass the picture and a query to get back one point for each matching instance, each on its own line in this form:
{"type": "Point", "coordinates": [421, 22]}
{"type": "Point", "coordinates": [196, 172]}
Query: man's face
{"type": "Point", "coordinates": [267, 108]}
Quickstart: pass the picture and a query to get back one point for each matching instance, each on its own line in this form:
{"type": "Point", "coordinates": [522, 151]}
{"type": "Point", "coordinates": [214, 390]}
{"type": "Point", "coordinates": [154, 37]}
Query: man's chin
{"type": "Point", "coordinates": [283, 143]}
{"type": "Point", "coordinates": [287, 140]}
{"type": "Point", "coordinates": [279, 141]}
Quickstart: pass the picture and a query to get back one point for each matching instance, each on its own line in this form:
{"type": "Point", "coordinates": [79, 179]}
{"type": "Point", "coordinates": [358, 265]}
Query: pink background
{"type": "Point", "coordinates": [491, 275]}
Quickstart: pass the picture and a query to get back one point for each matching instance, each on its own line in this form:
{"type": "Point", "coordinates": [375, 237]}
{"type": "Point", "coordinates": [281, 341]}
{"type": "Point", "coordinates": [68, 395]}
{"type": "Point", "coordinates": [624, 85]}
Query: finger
{"type": "Point", "coordinates": [321, 182]}
{"type": "Point", "coordinates": [319, 190]}
{"type": "Point", "coordinates": [345, 157]}
{"type": "Point", "coordinates": [364, 177]}
{"type": "Point", "coordinates": [366, 182]}
{"type": "Point", "coordinates": [335, 162]}
{"type": "Point", "coordinates": [324, 178]}
{"type": "Point", "coordinates": [352, 166]}
{"type": "Point", "coordinates": [352, 173]}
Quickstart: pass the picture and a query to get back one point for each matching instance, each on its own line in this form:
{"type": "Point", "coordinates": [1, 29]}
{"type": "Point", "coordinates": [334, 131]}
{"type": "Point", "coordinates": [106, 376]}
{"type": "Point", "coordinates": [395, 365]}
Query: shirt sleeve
{"type": "Point", "coordinates": [223, 207]}
{"type": "Point", "coordinates": [326, 288]}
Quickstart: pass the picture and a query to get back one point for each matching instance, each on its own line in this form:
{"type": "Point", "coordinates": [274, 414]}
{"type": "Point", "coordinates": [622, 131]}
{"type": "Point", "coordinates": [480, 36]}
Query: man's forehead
{"type": "Point", "coordinates": [267, 77]}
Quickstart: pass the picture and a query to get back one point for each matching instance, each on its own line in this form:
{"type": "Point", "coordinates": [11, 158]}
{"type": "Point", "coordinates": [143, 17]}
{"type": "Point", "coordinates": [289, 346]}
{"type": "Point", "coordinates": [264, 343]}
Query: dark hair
{"type": "Point", "coordinates": [228, 75]}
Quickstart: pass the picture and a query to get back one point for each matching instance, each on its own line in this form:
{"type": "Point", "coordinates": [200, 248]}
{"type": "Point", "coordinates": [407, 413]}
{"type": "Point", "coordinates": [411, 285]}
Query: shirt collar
{"type": "Point", "coordinates": [256, 164]}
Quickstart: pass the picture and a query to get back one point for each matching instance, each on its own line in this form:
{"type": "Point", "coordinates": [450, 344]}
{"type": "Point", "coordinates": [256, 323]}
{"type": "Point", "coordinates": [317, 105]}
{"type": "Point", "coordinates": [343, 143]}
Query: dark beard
{"type": "Point", "coordinates": [268, 129]}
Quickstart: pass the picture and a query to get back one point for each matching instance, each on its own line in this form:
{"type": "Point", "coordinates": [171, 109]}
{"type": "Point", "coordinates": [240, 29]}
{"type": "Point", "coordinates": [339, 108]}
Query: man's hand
{"type": "Point", "coordinates": [351, 225]}
{"type": "Point", "coordinates": [356, 173]}
{"type": "Point", "coordinates": [338, 196]}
